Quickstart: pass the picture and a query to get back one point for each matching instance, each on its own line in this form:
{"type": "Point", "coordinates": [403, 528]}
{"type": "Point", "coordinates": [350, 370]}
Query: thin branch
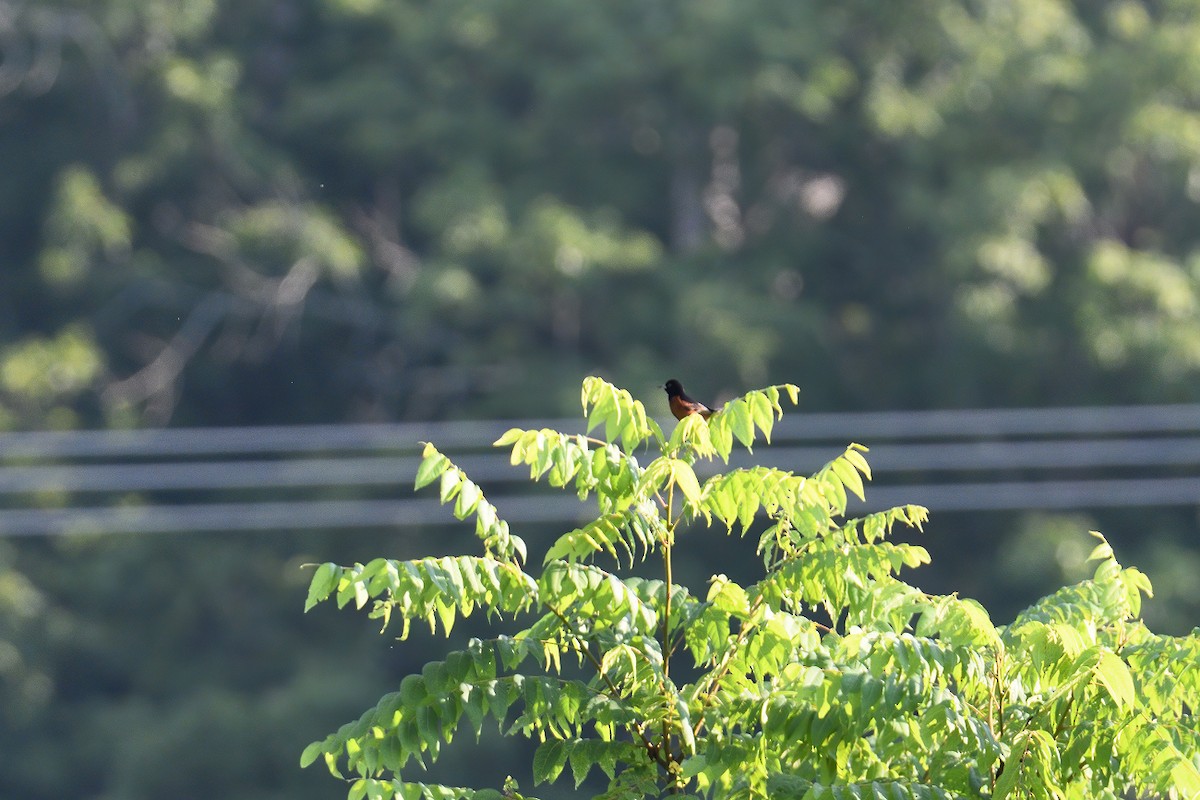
{"type": "Point", "coordinates": [160, 375]}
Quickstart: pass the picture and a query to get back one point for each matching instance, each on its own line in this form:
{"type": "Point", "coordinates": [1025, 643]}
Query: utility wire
{"type": "Point", "coordinates": [860, 426]}
{"type": "Point", "coordinates": [965, 460]}
{"type": "Point", "coordinates": [337, 470]}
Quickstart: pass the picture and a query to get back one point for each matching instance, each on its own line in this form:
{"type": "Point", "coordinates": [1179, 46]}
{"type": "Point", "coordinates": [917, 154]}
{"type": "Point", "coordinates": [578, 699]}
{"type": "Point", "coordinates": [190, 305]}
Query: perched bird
{"type": "Point", "coordinates": [682, 405]}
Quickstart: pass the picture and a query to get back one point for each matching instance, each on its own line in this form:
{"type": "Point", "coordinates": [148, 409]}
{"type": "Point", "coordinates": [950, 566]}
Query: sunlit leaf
{"type": "Point", "coordinates": [324, 580]}
{"type": "Point", "coordinates": [1117, 680]}
{"type": "Point", "coordinates": [433, 464]}
{"type": "Point", "coordinates": [686, 480]}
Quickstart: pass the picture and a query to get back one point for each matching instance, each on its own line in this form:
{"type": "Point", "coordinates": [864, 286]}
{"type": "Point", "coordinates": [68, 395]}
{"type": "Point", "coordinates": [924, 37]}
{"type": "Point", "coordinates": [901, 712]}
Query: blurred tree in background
{"type": "Point", "coordinates": [282, 212]}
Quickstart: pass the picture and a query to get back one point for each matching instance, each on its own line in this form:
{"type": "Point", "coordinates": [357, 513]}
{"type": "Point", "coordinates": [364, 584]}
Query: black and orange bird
{"type": "Point", "coordinates": [682, 405]}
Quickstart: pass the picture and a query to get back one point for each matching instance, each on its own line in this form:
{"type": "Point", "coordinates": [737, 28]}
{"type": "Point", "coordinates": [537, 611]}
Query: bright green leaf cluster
{"type": "Point", "coordinates": [454, 485]}
{"type": "Point", "coordinates": [594, 466]}
{"type": "Point", "coordinates": [632, 530]}
{"type": "Point", "coordinates": [827, 677]}
{"type": "Point", "coordinates": [624, 419]}
{"type": "Point", "coordinates": [432, 589]}
{"type": "Point", "coordinates": [739, 417]}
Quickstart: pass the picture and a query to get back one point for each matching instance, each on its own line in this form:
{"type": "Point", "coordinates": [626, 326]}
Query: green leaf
{"type": "Point", "coordinates": [1114, 674]}
{"type": "Point", "coordinates": [310, 753]}
{"type": "Point", "coordinates": [1007, 780]}
{"type": "Point", "coordinates": [980, 623]}
{"type": "Point", "coordinates": [1186, 777]}
{"type": "Point", "coordinates": [729, 597]}
{"type": "Point", "coordinates": [693, 766]}
{"type": "Point", "coordinates": [1102, 551]}
{"type": "Point", "coordinates": [468, 499]}
{"type": "Point", "coordinates": [737, 416]}
{"type": "Point", "coordinates": [323, 582]}
{"type": "Point", "coordinates": [854, 455]}
{"type": "Point", "coordinates": [686, 480]}
{"type": "Point", "coordinates": [548, 761]}
{"type": "Point", "coordinates": [433, 464]}
{"type": "Point", "coordinates": [508, 437]}
{"type": "Point", "coordinates": [450, 484]}
{"type": "Point", "coordinates": [849, 476]}
{"type": "Point", "coordinates": [762, 412]}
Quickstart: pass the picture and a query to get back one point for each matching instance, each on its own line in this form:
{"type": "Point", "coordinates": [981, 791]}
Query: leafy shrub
{"type": "Point", "coordinates": [744, 692]}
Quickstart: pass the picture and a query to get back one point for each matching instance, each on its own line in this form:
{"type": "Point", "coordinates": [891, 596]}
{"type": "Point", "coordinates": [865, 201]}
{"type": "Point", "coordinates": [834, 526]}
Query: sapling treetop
{"type": "Point", "coordinates": [827, 677]}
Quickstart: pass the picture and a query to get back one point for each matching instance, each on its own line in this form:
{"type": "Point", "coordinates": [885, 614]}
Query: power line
{"type": "Point", "coordinates": [1098, 420]}
{"type": "Point", "coordinates": [230, 441]}
{"type": "Point", "coordinates": [963, 460]}
{"type": "Point", "coordinates": [565, 509]}
{"type": "Point", "coordinates": [270, 515]}
{"type": "Point", "coordinates": [1016, 495]}
{"type": "Point", "coordinates": [337, 470]}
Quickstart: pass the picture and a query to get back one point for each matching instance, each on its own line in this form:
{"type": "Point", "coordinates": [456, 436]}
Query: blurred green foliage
{"type": "Point", "coordinates": [284, 212]}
